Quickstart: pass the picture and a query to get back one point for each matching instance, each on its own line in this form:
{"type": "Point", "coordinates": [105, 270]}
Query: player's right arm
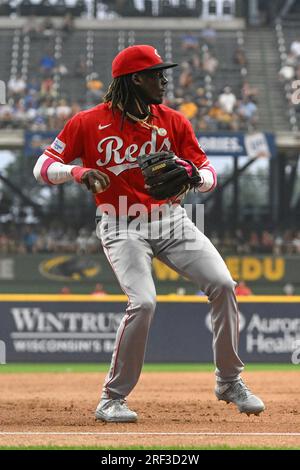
{"type": "Point", "coordinates": [52, 167]}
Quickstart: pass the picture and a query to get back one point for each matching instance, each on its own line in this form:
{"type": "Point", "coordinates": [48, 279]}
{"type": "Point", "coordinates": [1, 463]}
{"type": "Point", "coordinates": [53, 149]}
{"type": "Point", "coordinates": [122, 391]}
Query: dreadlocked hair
{"type": "Point", "coordinates": [121, 92]}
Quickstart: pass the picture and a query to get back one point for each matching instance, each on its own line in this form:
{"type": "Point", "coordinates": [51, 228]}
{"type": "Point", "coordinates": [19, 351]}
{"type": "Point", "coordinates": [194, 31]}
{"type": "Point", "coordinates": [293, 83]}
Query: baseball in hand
{"type": "Point", "coordinates": [98, 186]}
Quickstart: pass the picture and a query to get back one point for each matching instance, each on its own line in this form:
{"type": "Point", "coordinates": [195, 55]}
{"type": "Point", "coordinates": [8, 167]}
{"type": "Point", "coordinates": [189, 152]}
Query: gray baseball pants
{"type": "Point", "coordinates": [184, 248]}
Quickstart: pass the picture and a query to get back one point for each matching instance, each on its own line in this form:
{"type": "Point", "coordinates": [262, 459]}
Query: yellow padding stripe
{"type": "Point", "coordinates": [123, 298]}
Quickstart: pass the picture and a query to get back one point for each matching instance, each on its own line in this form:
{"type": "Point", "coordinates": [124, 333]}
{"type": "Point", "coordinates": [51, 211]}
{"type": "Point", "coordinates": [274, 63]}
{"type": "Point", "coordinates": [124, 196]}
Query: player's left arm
{"type": "Point", "coordinates": [190, 149]}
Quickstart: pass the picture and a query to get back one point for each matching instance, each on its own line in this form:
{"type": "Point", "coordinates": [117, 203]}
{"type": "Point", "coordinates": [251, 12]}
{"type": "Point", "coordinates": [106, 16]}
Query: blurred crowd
{"type": "Point", "coordinates": [289, 75]}
{"type": "Point", "coordinates": [37, 103]}
{"type": "Point", "coordinates": [245, 242]}
{"type": "Point", "coordinates": [32, 238]}
{"type": "Point", "coordinates": [290, 70]}
{"type": "Point", "coordinates": [200, 92]}
{"type": "Point", "coordinates": [206, 98]}
{"type": "Point", "coordinates": [29, 238]}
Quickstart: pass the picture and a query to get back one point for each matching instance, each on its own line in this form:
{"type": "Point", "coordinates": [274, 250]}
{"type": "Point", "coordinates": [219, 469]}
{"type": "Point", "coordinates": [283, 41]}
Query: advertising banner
{"type": "Point", "coordinates": [219, 144]}
{"type": "Point", "coordinates": [78, 331]}
{"type": "Point", "coordinates": [258, 145]}
{"type": "Point", "coordinates": [76, 269]}
{"type": "Point", "coordinates": [36, 142]}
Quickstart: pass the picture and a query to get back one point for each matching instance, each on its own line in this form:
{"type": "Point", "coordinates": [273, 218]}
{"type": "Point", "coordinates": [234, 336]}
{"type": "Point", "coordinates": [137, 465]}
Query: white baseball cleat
{"type": "Point", "coordinates": [115, 411]}
{"type": "Point", "coordinates": [236, 392]}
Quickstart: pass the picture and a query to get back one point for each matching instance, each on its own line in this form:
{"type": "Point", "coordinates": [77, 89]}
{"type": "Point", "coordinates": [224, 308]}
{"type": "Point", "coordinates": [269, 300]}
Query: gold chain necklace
{"type": "Point", "coordinates": [143, 122]}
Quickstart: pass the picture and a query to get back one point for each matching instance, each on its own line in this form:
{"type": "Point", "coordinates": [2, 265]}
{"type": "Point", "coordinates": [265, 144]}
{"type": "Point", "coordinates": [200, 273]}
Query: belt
{"type": "Point", "coordinates": [144, 217]}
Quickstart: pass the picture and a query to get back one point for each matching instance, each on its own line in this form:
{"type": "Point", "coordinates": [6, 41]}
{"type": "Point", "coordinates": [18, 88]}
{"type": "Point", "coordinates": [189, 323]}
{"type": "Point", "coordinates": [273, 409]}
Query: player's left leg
{"type": "Point", "coordinates": [190, 253]}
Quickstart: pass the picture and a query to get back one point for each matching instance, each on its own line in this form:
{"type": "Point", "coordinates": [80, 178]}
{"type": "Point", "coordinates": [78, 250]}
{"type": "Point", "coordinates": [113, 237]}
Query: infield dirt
{"type": "Point", "coordinates": [166, 403]}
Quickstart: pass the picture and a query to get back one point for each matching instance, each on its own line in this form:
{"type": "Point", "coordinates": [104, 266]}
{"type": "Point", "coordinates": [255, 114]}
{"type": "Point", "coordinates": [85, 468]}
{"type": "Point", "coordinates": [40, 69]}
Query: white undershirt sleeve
{"type": "Point", "coordinates": [209, 176]}
{"type": "Point", "coordinates": [47, 170]}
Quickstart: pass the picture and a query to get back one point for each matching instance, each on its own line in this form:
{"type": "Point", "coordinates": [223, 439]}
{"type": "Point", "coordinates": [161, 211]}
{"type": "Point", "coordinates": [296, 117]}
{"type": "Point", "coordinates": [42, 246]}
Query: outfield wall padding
{"type": "Point", "coordinates": [83, 329]}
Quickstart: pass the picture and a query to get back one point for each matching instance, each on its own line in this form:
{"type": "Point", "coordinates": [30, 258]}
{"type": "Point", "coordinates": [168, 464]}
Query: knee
{"type": "Point", "coordinates": [144, 305]}
{"type": "Point", "coordinates": [148, 304]}
{"type": "Point", "coordinates": [225, 286]}
{"type": "Point", "coordinates": [228, 285]}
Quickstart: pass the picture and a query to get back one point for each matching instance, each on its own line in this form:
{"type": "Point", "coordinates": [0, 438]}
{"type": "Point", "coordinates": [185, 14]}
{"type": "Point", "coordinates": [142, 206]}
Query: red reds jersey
{"type": "Point", "coordinates": [97, 137]}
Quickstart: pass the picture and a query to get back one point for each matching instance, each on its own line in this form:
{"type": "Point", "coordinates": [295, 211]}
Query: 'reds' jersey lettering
{"type": "Point", "coordinates": [96, 136]}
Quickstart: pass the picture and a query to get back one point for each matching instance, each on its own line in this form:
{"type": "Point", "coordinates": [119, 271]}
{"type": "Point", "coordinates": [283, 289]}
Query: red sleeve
{"type": "Point", "coordinates": [68, 145]}
{"type": "Point", "coordinates": [189, 147]}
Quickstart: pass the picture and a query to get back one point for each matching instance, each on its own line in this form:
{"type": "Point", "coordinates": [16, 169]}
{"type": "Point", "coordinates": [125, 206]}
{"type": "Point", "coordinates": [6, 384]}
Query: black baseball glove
{"type": "Point", "coordinates": [167, 175]}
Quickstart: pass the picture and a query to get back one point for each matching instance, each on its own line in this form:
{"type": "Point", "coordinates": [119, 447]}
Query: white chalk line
{"type": "Point", "coordinates": [37, 433]}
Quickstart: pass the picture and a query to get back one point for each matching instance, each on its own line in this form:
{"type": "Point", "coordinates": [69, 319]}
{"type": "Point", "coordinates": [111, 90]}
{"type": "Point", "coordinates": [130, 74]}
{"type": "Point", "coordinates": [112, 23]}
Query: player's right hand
{"type": "Point", "coordinates": [96, 181]}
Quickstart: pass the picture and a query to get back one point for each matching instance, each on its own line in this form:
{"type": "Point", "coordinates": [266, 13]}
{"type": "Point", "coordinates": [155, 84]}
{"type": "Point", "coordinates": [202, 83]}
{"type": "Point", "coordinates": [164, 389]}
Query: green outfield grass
{"type": "Point", "coordinates": [31, 368]}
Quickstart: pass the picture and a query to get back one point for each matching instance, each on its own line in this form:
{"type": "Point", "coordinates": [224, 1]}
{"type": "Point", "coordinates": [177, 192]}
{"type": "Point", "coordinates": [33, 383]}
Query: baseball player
{"type": "Point", "coordinates": [109, 139]}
